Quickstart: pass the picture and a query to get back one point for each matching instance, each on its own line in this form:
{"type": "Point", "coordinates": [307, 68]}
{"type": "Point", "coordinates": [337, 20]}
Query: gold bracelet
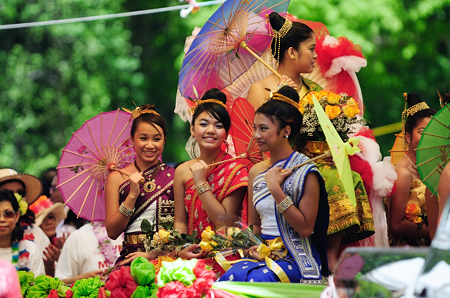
{"type": "Point", "coordinates": [201, 188]}
{"type": "Point", "coordinates": [283, 205]}
{"type": "Point", "coordinates": [124, 210]}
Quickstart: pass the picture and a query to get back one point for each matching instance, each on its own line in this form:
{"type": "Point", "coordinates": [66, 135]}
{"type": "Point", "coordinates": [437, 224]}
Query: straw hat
{"type": "Point", "coordinates": [44, 206]}
{"type": "Point", "coordinates": [33, 186]}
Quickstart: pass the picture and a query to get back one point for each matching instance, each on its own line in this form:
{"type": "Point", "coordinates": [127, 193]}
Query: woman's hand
{"type": "Point", "coordinates": [94, 273]}
{"type": "Point", "coordinates": [190, 252]}
{"type": "Point", "coordinates": [274, 177]}
{"type": "Point", "coordinates": [148, 255]}
{"type": "Point", "coordinates": [199, 171]}
{"type": "Point", "coordinates": [287, 81]}
{"type": "Point", "coordinates": [51, 255]}
{"type": "Point", "coordinates": [134, 184]}
{"type": "Point", "coordinates": [252, 252]}
{"type": "Point", "coordinates": [61, 240]}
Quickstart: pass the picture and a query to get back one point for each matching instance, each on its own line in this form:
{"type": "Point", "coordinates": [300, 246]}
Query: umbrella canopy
{"type": "Point", "coordinates": [102, 142]}
{"type": "Point", "coordinates": [217, 56]}
{"type": "Point", "coordinates": [433, 151]}
{"type": "Point", "coordinates": [241, 131]}
{"type": "Point", "coordinates": [339, 150]}
{"type": "Point", "coordinates": [398, 150]}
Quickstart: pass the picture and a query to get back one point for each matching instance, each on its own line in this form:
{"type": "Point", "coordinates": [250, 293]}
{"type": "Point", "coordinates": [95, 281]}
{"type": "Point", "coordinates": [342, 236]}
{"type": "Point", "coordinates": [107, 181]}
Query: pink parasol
{"type": "Point", "coordinates": [101, 144]}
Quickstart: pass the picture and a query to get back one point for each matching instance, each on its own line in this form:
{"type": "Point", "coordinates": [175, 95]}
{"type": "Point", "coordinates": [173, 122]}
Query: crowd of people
{"type": "Point", "coordinates": [307, 209]}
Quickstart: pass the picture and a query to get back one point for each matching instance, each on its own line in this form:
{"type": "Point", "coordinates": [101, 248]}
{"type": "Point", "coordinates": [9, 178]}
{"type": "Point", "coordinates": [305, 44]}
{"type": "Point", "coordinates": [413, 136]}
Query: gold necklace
{"type": "Point", "coordinates": [150, 185]}
{"type": "Point", "coordinates": [413, 164]}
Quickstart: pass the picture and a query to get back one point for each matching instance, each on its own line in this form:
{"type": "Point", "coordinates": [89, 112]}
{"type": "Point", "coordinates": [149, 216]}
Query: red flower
{"type": "Point", "coordinates": [121, 283]}
{"type": "Point", "coordinates": [174, 289]}
{"type": "Point", "coordinates": [28, 237]}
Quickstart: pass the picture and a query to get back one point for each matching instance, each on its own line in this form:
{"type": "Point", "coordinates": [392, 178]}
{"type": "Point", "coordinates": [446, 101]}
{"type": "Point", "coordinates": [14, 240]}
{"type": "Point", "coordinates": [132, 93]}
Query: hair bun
{"type": "Point", "coordinates": [289, 92]}
{"type": "Point", "coordinates": [276, 21]}
{"type": "Point", "coordinates": [215, 94]}
{"type": "Point", "coordinates": [413, 99]}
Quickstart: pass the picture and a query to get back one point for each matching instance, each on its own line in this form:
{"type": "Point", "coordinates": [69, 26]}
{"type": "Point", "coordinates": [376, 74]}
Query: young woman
{"type": "Point", "coordinates": [11, 234]}
{"type": "Point", "coordinates": [289, 204]}
{"type": "Point", "coordinates": [293, 47]}
{"type": "Point", "coordinates": [408, 187]}
{"type": "Point", "coordinates": [204, 192]}
{"type": "Point", "coordinates": [128, 201]}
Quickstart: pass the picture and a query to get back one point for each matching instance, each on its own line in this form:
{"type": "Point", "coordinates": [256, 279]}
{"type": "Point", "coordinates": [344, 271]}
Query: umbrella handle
{"type": "Point", "coordinates": [241, 156]}
{"type": "Point", "coordinates": [243, 44]}
{"type": "Point", "coordinates": [114, 168]}
{"type": "Point", "coordinates": [326, 154]}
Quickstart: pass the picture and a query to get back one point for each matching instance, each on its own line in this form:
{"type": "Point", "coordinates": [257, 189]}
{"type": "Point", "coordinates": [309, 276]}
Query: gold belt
{"type": "Point", "coordinates": [135, 238]}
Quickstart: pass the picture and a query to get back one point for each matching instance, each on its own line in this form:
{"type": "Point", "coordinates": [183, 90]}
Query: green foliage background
{"type": "Point", "coordinates": [54, 78]}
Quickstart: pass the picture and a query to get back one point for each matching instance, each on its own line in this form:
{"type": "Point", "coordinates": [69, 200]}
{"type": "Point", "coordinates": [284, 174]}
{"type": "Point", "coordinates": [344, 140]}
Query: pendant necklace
{"type": "Point", "coordinates": [413, 164]}
{"type": "Point", "coordinates": [150, 185]}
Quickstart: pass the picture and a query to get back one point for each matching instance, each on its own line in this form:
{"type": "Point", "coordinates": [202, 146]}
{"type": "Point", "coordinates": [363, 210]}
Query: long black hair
{"type": "Point", "coordinates": [8, 195]}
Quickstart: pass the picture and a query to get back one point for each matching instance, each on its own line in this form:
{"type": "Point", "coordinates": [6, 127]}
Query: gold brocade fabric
{"type": "Point", "coordinates": [352, 223]}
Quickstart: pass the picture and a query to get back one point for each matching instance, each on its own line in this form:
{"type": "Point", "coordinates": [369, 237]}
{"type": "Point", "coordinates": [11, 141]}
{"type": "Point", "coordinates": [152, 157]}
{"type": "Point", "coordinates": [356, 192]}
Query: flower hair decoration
{"type": "Point", "coordinates": [138, 111]}
{"type": "Point", "coordinates": [199, 102]}
{"type": "Point", "coordinates": [23, 205]}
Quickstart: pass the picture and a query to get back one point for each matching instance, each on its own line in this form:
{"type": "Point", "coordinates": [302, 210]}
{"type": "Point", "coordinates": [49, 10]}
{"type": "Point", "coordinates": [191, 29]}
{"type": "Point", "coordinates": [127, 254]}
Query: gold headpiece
{"type": "Point", "coordinates": [199, 102]}
{"type": "Point", "coordinates": [281, 97]}
{"type": "Point", "coordinates": [138, 111]}
{"type": "Point", "coordinates": [278, 35]}
{"type": "Point", "coordinates": [408, 112]}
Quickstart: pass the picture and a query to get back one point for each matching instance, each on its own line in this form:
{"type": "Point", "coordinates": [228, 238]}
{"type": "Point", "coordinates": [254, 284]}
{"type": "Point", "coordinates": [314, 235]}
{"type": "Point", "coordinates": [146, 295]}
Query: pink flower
{"type": "Point", "coordinates": [174, 289]}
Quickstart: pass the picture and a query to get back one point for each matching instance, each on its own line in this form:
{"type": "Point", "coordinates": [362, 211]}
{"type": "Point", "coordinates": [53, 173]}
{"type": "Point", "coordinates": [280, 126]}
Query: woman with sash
{"type": "Point", "coordinates": [293, 47]}
{"type": "Point", "coordinates": [202, 191]}
{"type": "Point", "coordinates": [128, 200]}
{"type": "Point", "coordinates": [285, 205]}
{"type": "Point", "coordinates": [409, 189]}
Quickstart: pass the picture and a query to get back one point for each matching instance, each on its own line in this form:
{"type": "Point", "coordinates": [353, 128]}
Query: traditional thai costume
{"type": "Point", "coordinates": [306, 258]}
{"type": "Point", "coordinates": [155, 203]}
{"type": "Point", "coordinates": [416, 196]}
{"type": "Point", "coordinates": [223, 179]}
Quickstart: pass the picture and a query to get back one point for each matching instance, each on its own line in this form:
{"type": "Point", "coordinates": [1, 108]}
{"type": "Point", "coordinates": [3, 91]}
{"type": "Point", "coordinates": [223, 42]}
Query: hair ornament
{"type": "Point", "coordinates": [277, 96]}
{"type": "Point", "coordinates": [278, 35]}
{"type": "Point", "coordinates": [408, 112]}
{"type": "Point", "coordinates": [200, 101]}
{"type": "Point", "coordinates": [138, 111]}
{"type": "Point", "coordinates": [23, 205]}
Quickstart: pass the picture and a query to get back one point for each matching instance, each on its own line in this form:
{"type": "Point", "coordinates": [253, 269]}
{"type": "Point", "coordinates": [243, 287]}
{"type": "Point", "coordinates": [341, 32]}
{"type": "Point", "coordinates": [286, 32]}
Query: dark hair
{"type": "Point", "coordinates": [149, 118]}
{"type": "Point", "coordinates": [295, 36]}
{"type": "Point", "coordinates": [413, 120]}
{"type": "Point", "coordinates": [283, 113]}
{"type": "Point", "coordinates": [214, 109]}
{"type": "Point", "coordinates": [46, 180]}
{"type": "Point", "coordinates": [8, 195]}
{"type": "Point", "coordinates": [446, 98]}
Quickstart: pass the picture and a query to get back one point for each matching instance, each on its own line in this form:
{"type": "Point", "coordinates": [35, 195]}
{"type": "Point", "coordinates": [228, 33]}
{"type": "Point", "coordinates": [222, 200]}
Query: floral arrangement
{"type": "Point", "coordinates": [341, 109]}
{"type": "Point", "coordinates": [164, 239]}
{"type": "Point", "coordinates": [414, 213]}
{"type": "Point", "coordinates": [41, 204]}
{"type": "Point", "coordinates": [228, 238]}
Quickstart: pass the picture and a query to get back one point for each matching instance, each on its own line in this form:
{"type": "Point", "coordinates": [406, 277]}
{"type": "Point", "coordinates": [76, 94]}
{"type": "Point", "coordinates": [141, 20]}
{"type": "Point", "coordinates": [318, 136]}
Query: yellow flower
{"type": "Point", "coordinates": [205, 246]}
{"type": "Point", "coordinates": [164, 235]}
{"type": "Point", "coordinates": [332, 111]}
{"type": "Point", "coordinates": [207, 234]}
{"type": "Point", "coordinates": [351, 109]}
{"type": "Point", "coordinates": [308, 99]}
{"type": "Point", "coordinates": [418, 220]}
{"type": "Point", "coordinates": [301, 108]}
{"type": "Point", "coordinates": [333, 98]}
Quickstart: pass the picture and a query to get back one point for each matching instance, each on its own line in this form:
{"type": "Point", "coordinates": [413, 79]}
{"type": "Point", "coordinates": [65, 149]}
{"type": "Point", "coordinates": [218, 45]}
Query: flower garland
{"type": "Point", "coordinates": [19, 257]}
{"type": "Point", "coordinates": [104, 243]}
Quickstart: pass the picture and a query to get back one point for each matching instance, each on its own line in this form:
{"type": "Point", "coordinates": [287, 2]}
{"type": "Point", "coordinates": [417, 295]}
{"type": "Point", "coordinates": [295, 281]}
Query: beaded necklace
{"type": "Point", "coordinates": [15, 254]}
